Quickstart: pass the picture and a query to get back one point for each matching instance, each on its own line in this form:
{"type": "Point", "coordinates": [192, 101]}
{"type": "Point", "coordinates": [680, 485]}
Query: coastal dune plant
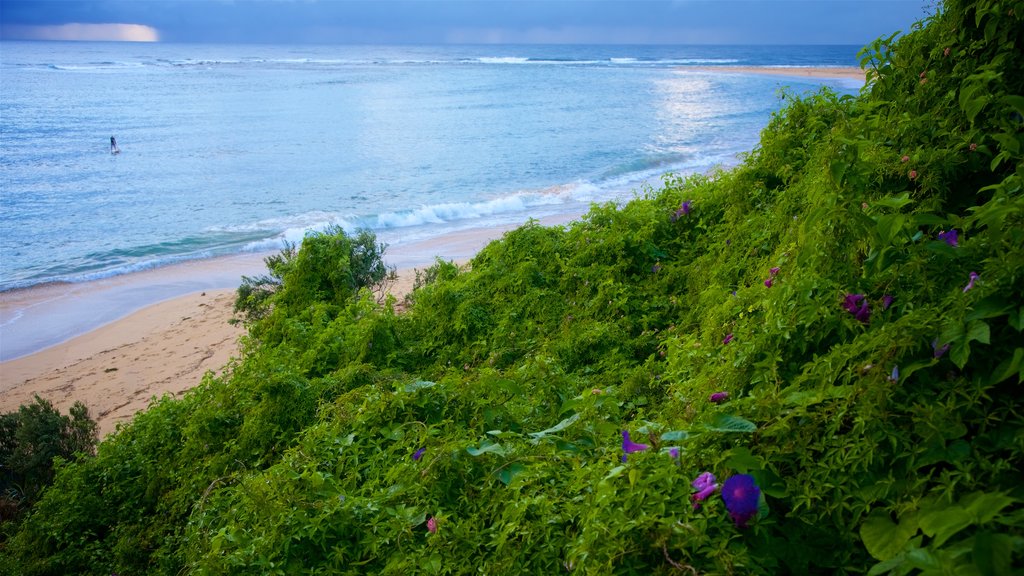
{"type": "Point", "coordinates": [808, 364]}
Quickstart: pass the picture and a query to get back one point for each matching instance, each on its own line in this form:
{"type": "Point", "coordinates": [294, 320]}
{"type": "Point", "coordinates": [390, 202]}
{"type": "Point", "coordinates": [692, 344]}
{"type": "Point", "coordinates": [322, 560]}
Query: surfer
{"type": "Point", "coordinates": [113, 146]}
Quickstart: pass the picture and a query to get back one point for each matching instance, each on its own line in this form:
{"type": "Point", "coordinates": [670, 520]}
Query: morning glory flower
{"type": "Point", "coordinates": [768, 283]}
{"type": "Point", "coordinates": [718, 397]}
{"type": "Point", "coordinates": [432, 525]}
{"type": "Point", "coordinates": [418, 454]}
{"type": "Point", "coordinates": [705, 485]}
{"type": "Point", "coordinates": [938, 351]}
{"type": "Point", "coordinates": [741, 496]}
{"type": "Point", "coordinates": [628, 446]}
{"type": "Point", "coordinates": [970, 283]}
{"type": "Point", "coordinates": [857, 305]}
{"type": "Point", "coordinates": [950, 236]}
{"type": "Point", "coordinates": [684, 210]}
{"type": "Point", "coordinates": [887, 301]}
{"type": "Point", "coordinates": [727, 339]}
{"type": "Point", "coordinates": [774, 271]}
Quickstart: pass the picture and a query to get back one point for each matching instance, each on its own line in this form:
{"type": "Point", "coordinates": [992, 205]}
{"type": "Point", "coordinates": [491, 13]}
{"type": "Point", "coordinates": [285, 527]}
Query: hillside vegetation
{"type": "Point", "coordinates": [809, 364]}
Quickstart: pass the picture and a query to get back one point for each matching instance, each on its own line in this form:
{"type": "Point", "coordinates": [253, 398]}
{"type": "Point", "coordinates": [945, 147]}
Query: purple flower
{"type": "Point", "coordinates": [851, 301]}
{"type": "Point", "coordinates": [887, 301]}
{"type": "Point", "coordinates": [774, 271]}
{"type": "Point", "coordinates": [705, 485]}
{"type": "Point", "coordinates": [857, 305]}
{"type": "Point", "coordinates": [938, 351]}
{"type": "Point", "coordinates": [741, 496]}
{"type": "Point", "coordinates": [970, 283]}
{"type": "Point", "coordinates": [895, 376]}
{"type": "Point", "coordinates": [432, 525]}
{"type": "Point", "coordinates": [656, 268]}
{"type": "Point", "coordinates": [718, 397]}
{"type": "Point", "coordinates": [727, 339]}
{"type": "Point", "coordinates": [674, 452]}
{"type": "Point", "coordinates": [768, 283]}
{"type": "Point", "coordinates": [418, 454]}
{"type": "Point", "coordinates": [684, 210]}
{"type": "Point", "coordinates": [628, 446]}
{"type": "Point", "coordinates": [951, 236]}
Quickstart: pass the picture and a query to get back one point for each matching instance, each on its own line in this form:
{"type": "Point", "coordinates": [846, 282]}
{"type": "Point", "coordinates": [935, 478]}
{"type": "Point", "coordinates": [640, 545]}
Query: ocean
{"type": "Point", "coordinates": [234, 149]}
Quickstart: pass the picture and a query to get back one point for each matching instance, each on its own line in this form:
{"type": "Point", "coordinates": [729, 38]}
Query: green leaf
{"type": "Point", "coordinates": [730, 423]}
{"type": "Point", "coordinates": [884, 538]}
{"type": "Point", "coordinates": [894, 202]}
{"type": "Point", "coordinates": [943, 523]}
{"type": "Point", "coordinates": [486, 447]}
{"type": "Point", "coordinates": [742, 460]}
{"type": "Point", "coordinates": [1017, 320]}
{"type": "Point", "coordinates": [993, 553]}
{"type": "Point", "coordinates": [985, 506]}
{"type": "Point", "coordinates": [1009, 367]}
{"type": "Point", "coordinates": [419, 385]}
{"type": "Point", "coordinates": [978, 330]}
{"type": "Point", "coordinates": [960, 353]}
{"type": "Point", "coordinates": [614, 472]}
{"type": "Point", "coordinates": [1017, 102]}
{"type": "Point", "coordinates": [838, 169]}
{"type": "Point", "coordinates": [675, 436]}
{"type": "Point", "coordinates": [556, 428]}
{"type": "Point", "coordinates": [1008, 142]}
{"type": "Point", "coordinates": [990, 307]}
{"type": "Point", "coordinates": [507, 474]}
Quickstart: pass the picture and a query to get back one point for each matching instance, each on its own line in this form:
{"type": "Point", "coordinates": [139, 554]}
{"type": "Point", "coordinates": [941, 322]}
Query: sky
{"type": "Point", "coordinates": [463, 21]}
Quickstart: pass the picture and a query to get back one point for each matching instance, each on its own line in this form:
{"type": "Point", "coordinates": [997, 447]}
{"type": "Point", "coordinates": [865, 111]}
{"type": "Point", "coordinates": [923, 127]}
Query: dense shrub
{"type": "Point", "coordinates": [832, 330]}
{"type": "Point", "coordinates": [30, 440]}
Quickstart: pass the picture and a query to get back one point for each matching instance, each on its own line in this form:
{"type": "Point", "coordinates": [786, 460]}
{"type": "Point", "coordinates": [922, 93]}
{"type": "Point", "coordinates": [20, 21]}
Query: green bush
{"type": "Point", "coordinates": [30, 440]}
{"type": "Point", "coordinates": [836, 321]}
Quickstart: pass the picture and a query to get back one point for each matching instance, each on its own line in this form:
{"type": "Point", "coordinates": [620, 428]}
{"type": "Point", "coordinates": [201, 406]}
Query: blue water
{"type": "Point", "coordinates": [229, 149]}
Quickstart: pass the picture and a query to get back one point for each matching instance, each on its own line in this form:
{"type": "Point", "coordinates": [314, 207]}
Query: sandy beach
{"type": "Point", "coordinates": [117, 367]}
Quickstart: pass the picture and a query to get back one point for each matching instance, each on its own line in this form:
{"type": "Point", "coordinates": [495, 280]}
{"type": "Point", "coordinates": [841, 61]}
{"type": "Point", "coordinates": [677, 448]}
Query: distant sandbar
{"type": "Point", "coordinates": [847, 72]}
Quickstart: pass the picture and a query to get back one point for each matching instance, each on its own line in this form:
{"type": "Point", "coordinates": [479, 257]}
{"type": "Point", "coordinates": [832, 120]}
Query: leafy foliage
{"type": "Point", "coordinates": [30, 440]}
{"type": "Point", "coordinates": [482, 429]}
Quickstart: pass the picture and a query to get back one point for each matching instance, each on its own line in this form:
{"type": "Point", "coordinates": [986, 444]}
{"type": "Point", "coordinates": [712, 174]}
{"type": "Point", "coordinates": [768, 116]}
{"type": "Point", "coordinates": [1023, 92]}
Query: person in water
{"type": "Point", "coordinates": [113, 146]}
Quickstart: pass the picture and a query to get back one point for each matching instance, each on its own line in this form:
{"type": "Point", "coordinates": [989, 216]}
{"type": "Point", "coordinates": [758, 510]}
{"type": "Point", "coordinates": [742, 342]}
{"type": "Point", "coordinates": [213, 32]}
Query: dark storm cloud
{"type": "Point", "coordinates": [432, 21]}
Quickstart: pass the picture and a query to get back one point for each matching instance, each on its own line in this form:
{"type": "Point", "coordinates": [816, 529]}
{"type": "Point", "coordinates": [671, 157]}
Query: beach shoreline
{"type": "Point", "coordinates": [828, 72]}
{"type": "Point", "coordinates": [164, 345]}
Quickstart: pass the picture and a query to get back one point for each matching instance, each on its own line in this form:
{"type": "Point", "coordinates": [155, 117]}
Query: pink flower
{"type": "Point", "coordinates": [727, 339]}
{"type": "Point", "coordinates": [432, 525]}
{"type": "Point", "coordinates": [905, 159]}
{"type": "Point", "coordinates": [913, 174]}
{"type": "Point", "coordinates": [945, 52]}
{"type": "Point", "coordinates": [973, 147]}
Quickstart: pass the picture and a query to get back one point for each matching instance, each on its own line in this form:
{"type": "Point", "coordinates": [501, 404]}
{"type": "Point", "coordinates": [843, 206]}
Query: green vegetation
{"type": "Point", "coordinates": [839, 320]}
{"type": "Point", "coordinates": [30, 440]}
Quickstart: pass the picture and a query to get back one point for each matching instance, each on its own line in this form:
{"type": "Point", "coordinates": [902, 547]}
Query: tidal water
{"type": "Point", "coordinates": [229, 149]}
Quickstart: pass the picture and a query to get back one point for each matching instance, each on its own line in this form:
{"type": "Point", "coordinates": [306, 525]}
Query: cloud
{"type": "Point", "coordinates": [78, 31]}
